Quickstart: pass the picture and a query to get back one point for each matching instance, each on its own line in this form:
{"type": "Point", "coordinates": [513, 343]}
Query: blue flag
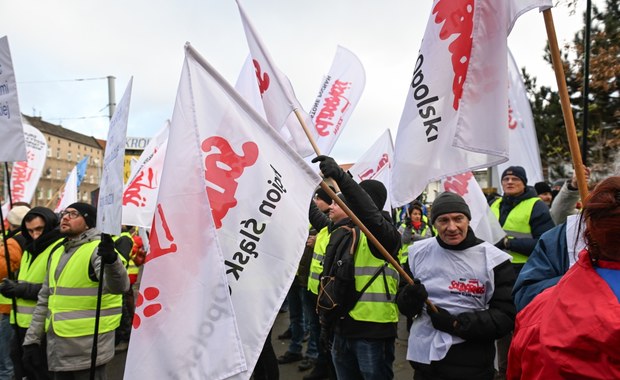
{"type": "Point", "coordinates": [81, 169]}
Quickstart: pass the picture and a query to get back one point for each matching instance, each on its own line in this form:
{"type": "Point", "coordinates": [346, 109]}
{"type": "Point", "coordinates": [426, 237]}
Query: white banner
{"type": "Point", "coordinates": [278, 97]}
{"type": "Point", "coordinates": [483, 222]}
{"type": "Point", "coordinates": [70, 192]}
{"type": "Point", "coordinates": [258, 187]}
{"type": "Point", "coordinates": [140, 194]}
{"type": "Point", "coordinates": [457, 101]}
{"type": "Point", "coordinates": [25, 175]}
{"type": "Point", "coordinates": [376, 164]}
{"type": "Point", "coordinates": [247, 87]}
{"type": "Point", "coordinates": [339, 93]}
{"type": "Point", "coordinates": [184, 326]}
{"type": "Point", "coordinates": [12, 144]}
{"type": "Point", "coordinates": [109, 206]}
{"type": "Point", "coordinates": [523, 143]}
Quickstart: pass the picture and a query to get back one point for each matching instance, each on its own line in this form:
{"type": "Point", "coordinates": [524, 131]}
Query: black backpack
{"type": "Point", "coordinates": [337, 294]}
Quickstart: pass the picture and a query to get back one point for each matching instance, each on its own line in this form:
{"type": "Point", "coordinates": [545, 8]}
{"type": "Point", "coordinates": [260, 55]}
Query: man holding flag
{"type": "Point", "coordinates": [66, 308]}
{"type": "Point", "coordinates": [363, 343]}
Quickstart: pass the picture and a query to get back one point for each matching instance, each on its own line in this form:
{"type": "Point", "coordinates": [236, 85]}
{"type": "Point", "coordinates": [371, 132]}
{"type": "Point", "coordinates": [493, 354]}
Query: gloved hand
{"type": "Point", "coordinates": [329, 167]}
{"type": "Point", "coordinates": [106, 249]}
{"type": "Point", "coordinates": [32, 357]}
{"type": "Point", "coordinates": [325, 339]}
{"type": "Point", "coordinates": [10, 288]}
{"type": "Point", "coordinates": [502, 243]}
{"type": "Point", "coordinates": [442, 320]}
{"type": "Point", "coordinates": [410, 299]}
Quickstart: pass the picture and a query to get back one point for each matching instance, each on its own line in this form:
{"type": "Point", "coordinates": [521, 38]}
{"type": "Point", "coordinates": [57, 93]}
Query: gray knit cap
{"type": "Point", "coordinates": [447, 203]}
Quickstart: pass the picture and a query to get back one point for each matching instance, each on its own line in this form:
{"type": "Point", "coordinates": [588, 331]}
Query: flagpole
{"type": "Point", "coordinates": [571, 131]}
{"type": "Point", "coordinates": [55, 195]}
{"type": "Point", "coordinates": [307, 132]}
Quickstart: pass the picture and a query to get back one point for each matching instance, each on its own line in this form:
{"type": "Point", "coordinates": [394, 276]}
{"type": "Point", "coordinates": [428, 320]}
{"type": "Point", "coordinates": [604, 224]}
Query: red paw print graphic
{"type": "Point", "coordinates": [150, 310]}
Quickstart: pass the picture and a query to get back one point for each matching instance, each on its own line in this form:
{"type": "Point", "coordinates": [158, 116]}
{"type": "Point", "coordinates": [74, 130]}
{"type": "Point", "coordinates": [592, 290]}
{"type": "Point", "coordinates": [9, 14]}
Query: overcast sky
{"type": "Point", "coordinates": [63, 51]}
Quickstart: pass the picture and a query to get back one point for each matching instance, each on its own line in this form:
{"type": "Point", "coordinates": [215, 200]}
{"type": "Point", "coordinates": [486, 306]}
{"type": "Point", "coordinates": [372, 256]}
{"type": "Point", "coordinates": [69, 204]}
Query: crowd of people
{"type": "Point", "coordinates": [540, 303]}
{"type": "Point", "coordinates": [65, 277]}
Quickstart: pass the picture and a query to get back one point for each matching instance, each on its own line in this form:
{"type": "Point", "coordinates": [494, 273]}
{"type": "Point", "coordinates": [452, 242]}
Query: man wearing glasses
{"type": "Point", "coordinates": [66, 309]}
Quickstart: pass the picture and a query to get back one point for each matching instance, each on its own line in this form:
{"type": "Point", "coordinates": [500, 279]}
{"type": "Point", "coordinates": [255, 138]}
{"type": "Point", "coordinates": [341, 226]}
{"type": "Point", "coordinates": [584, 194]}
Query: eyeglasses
{"type": "Point", "coordinates": [71, 214]}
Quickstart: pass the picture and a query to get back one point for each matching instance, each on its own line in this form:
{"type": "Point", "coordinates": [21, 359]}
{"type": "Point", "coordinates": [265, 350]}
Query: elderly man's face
{"type": "Point", "coordinates": [452, 228]}
{"type": "Point", "coordinates": [512, 185]}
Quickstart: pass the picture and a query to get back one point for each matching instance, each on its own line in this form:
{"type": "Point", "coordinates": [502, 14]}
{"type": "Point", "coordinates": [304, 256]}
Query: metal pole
{"type": "Point", "coordinates": [586, 83]}
{"type": "Point", "coordinates": [111, 96]}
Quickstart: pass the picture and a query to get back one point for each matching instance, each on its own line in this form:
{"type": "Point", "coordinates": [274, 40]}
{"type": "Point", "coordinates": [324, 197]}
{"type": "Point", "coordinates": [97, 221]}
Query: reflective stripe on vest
{"type": "Point", "coordinates": [316, 264]}
{"type": "Point", "coordinates": [73, 297]}
{"type": "Point", "coordinates": [517, 223]}
{"type": "Point", "coordinates": [377, 303]}
{"type": "Point", "coordinates": [32, 272]}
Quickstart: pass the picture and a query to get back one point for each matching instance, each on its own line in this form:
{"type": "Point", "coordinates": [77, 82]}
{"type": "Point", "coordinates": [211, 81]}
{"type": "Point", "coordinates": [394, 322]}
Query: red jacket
{"type": "Point", "coordinates": [570, 331]}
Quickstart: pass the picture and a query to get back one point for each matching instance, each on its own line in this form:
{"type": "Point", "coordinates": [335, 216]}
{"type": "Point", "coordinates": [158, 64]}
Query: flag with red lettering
{"type": "Point", "coordinates": [457, 103]}
{"type": "Point", "coordinates": [259, 190]}
{"type": "Point", "coordinates": [277, 93]}
{"type": "Point", "coordinates": [483, 222]}
{"type": "Point", "coordinates": [25, 175]}
{"type": "Point", "coordinates": [522, 140]}
{"type": "Point", "coordinates": [12, 143]}
{"type": "Point", "coordinates": [376, 164]}
{"type": "Point", "coordinates": [247, 87]}
{"type": "Point", "coordinates": [184, 325]}
{"type": "Point", "coordinates": [140, 194]}
{"type": "Point", "coordinates": [340, 91]}
{"type": "Point", "coordinates": [109, 205]}
{"type": "Point", "coordinates": [70, 191]}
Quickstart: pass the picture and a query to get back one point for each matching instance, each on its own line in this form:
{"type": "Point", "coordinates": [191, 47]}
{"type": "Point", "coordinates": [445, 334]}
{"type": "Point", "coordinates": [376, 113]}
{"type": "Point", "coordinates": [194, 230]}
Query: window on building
{"type": "Point", "coordinates": [92, 178]}
{"type": "Point", "coordinates": [77, 158]}
{"type": "Point", "coordinates": [49, 151]}
{"type": "Point", "coordinates": [49, 194]}
{"type": "Point", "coordinates": [69, 144]}
{"type": "Point", "coordinates": [39, 193]}
{"type": "Point", "coordinates": [48, 172]}
{"type": "Point", "coordinates": [57, 152]}
{"type": "Point", "coordinates": [69, 155]}
{"type": "Point", "coordinates": [58, 174]}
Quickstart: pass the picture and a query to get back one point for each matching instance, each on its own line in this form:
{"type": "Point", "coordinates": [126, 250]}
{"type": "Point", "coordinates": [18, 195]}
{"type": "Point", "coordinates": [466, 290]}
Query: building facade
{"type": "Point", "coordinates": [65, 148]}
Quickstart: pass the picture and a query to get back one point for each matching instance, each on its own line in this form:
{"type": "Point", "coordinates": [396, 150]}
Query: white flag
{"type": "Point", "coordinates": [247, 87]}
{"type": "Point", "coordinates": [338, 95]}
{"type": "Point", "coordinates": [376, 164]}
{"type": "Point", "coordinates": [184, 326]}
{"type": "Point", "coordinates": [140, 194]}
{"type": "Point", "coordinates": [483, 222]}
{"type": "Point", "coordinates": [259, 190]}
{"type": "Point", "coordinates": [25, 175]}
{"type": "Point", "coordinates": [457, 103]}
{"type": "Point", "coordinates": [12, 144]}
{"type": "Point", "coordinates": [70, 192]}
{"type": "Point", "coordinates": [522, 139]}
{"type": "Point", "coordinates": [279, 99]}
{"type": "Point", "coordinates": [109, 205]}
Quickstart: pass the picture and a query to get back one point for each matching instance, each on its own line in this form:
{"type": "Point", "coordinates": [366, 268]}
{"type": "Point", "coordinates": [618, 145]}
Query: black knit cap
{"type": "Point", "coordinates": [542, 187]}
{"type": "Point", "coordinates": [89, 212]}
{"type": "Point", "coordinates": [322, 195]}
{"type": "Point", "coordinates": [516, 171]}
{"type": "Point", "coordinates": [447, 203]}
{"type": "Point", "coordinates": [376, 190]}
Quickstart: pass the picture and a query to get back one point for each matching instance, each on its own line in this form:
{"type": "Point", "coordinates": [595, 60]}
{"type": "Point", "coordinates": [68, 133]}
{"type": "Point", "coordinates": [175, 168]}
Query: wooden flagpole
{"type": "Point", "coordinates": [569, 122]}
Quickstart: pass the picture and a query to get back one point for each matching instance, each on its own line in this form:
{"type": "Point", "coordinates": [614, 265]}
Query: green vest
{"type": "Point", "coordinates": [377, 304]}
{"type": "Point", "coordinates": [316, 264]}
{"type": "Point", "coordinates": [403, 253]}
{"type": "Point", "coordinates": [517, 223]}
{"type": "Point", "coordinates": [73, 297]}
{"type": "Point", "coordinates": [33, 272]}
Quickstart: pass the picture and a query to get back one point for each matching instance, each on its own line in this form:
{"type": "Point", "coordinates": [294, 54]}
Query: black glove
{"type": "Point", "coordinates": [502, 244]}
{"type": "Point", "coordinates": [325, 339]}
{"type": "Point", "coordinates": [106, 249]}
{"type": "Point", "coordinates": [32, 357]}
{"type": "Point", "coordinates": [410, 298]}
{"type": "Point", "coordinates": [9, 288]}
{"type": "Point", "coordinates": [442, 320]}
{"type": "Point", "coordinates": [329, 167]}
